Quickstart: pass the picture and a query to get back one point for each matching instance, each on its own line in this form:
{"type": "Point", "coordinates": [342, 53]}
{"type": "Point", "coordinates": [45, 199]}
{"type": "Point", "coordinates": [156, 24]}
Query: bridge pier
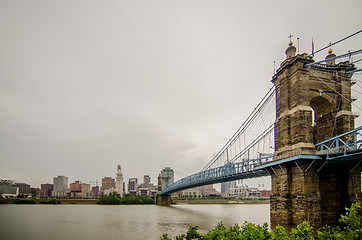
{"type": "Point", "coordinates": [163, 200]}
{"type": "Point", "coordinates": [310, 191]}
{"type": "Point", "coordinates": [307, 112]}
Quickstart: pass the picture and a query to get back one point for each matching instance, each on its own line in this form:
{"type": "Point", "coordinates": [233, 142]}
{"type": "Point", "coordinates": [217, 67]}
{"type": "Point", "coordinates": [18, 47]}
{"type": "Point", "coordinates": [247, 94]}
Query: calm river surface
{"type": "Point", "coordinates": [120, 222]}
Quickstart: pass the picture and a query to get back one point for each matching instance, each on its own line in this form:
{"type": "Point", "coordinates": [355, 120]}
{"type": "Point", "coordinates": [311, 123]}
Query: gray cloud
{"type": "Point", "coordinates": [86, 85]}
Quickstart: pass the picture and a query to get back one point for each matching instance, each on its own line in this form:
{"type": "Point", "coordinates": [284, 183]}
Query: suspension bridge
{"type": "Point", "coordinates": [302, 134]}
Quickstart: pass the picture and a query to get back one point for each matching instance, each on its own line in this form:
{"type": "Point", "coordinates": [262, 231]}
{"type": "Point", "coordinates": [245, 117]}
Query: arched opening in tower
{"type": "Point", "coordinates": [323, 119]}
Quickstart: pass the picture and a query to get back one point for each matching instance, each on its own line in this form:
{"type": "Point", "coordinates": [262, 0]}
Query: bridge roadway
{"type": "Point", "coordinates": [346, 147]}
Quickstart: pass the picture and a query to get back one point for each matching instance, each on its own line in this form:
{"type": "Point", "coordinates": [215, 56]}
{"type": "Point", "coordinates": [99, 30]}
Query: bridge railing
{"type": "Point", "coordinates": [225, 172]}
{"type": "Point", "coordinates": [349, 141]}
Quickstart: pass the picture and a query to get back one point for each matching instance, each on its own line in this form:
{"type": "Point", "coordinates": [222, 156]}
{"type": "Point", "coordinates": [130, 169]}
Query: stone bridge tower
{"type": "Point", "coordinates": [313, 104]}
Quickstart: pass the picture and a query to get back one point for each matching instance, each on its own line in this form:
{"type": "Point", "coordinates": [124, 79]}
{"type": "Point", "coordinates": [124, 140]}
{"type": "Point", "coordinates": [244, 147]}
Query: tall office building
{"type": "Point", "coordinates": [132, 184]}
{"type": "Point", "coordinates": [108, 183]}
{"type": "Point", "coordinates": [86, 190]}
{"type": "Point", "coordinates": [226, 185]}
{"type": "Point", "coordinates": [119, 181]}
{"type": "Point", "coordinates": [146, 179]}
{"type": "Point", "coordinates": [166, 177]}
{"type": "Point", "coordinates": [60, 186]}
{"type": "Point", "coordinates": [147, 188]}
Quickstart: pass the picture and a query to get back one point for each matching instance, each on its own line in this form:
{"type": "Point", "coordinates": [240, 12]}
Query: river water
{"type": "Point", "coordinates": [53, 222]}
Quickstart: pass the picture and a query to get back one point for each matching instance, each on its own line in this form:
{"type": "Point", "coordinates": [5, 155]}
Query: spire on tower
{"type": "Point", "coordinates": [330, 48]}
{"type": "Point", "coordinates": [291, 50]}
{"type": "Point", "coordinates": [290, 40]}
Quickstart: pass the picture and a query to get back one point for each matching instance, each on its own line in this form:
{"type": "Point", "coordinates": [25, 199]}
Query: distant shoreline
{"type": "Point", "coordinates": [218, 201]}
{"type": "Point", "coordinates": [62, 201]}
{"type": "Point", "coordinates": [177, 202]}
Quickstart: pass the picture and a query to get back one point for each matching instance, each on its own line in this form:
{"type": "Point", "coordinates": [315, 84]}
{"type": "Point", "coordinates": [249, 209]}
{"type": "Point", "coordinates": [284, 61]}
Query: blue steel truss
{"type": "Point", "coordinates": [228, 172]}
{"type": "Point", "coordinates": [249, 151]}
{"type": "Point", "coordinates": [347, 146]}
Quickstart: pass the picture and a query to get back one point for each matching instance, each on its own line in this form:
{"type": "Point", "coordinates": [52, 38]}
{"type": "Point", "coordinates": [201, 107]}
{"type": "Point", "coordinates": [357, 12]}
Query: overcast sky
{"type": "Point", "coordinates": [87, 85]}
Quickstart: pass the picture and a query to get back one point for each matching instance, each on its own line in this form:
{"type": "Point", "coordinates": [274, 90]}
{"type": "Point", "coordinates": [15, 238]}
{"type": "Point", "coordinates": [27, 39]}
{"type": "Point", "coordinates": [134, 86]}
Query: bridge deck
{"type": "Point", "coordinates": [344, 148]}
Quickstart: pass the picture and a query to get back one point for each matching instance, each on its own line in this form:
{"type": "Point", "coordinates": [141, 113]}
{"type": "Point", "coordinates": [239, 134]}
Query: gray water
{"type": "Point", "coordinates": [119, 222]}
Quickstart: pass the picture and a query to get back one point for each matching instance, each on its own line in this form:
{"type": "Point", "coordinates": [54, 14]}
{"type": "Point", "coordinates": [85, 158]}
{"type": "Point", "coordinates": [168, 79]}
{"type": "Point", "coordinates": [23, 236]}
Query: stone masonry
{"type": "Point", "coordinates": [313, 104]}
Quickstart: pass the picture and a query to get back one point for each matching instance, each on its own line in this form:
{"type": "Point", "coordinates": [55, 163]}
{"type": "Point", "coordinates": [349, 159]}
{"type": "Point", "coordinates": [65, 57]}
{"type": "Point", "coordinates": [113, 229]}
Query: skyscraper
{"type": "Point", "coordinates": [146, 179]}
{"type": "Point", "coordinates": [107, 183]}
{"type": "Point", "coordinates": [147, 188]}
{"type": "Point", "coordinates": [119, 181]}
{"type": "Point", "coordinates": [226, 185]}
{"type": "Point", "coordinates": [60, 186]}
{"type": "Point", "coordinates": [166, 177]}
{"type": "Point", "coordinates": [132, 184]}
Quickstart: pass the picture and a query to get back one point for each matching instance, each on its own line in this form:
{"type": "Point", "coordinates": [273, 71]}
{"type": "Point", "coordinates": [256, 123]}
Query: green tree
{"type": "Point", "coordinates": [112, 199]}
{"type": "Point", "coordinates": [50, 201]}
{"type": "Point", "coordinates": [351, 229]}
{"type": "Point", "coordinates": [24, 201]}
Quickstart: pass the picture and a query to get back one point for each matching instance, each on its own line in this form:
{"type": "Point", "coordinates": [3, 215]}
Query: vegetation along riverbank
{"type": "Point", "coordinates": [350, 227]}
{"type": "Point", "coordinates": [115, 199]}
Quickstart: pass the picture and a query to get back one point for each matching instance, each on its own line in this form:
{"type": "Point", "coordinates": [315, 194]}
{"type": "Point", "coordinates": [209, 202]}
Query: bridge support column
{"type": "Point", "coordinates": [163, 200]}
{"type": "Point", "coordinates": [310, 191]}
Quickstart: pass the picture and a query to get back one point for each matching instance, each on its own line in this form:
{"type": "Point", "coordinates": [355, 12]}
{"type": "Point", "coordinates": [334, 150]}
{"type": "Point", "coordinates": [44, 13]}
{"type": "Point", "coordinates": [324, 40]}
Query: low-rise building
{"type": "Point", "coordinates": [133, 193]}
{"type": "Point", "coordinates": [75, 187]}
{"type": "Point", "coordinates": [80, 190]}
{"type": "Point", "coordinates": [45, 190]}
{"type": "Point", "coordinates": [202, 191]}
{"type": "Point", "coordinates": [265, 193]}
{"type": "Point", "coordinates": [35, 192]}
{"type": "Point", "coordinates": [24, 189]}
{"type": "Point", "coordinates": [244, 191]}
{"type": "Point", "coordinates": [95, 192]}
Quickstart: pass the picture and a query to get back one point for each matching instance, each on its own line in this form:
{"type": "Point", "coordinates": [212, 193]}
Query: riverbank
{"type": "Point", "coordinates": [62, 201]}
{"type": "Point", "coordinates": [195, 201]}
{"type": "Point", "coordinates": [221, 201]}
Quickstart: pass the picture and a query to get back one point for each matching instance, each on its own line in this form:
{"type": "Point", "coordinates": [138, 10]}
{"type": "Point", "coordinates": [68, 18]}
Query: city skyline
{"type": "Point", "coordinates": [108, 184]}
{"type": "Point", "coordinates": [146, 180]}
{"type": "Point", "coordinates": [88, 85]}
{"type": "Point", "coordinates": [61, 188]}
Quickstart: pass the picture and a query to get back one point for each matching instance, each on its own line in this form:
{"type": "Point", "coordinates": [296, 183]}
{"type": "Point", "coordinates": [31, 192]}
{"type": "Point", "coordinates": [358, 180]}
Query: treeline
{"type": "Point", "coordinates": [115, 199]}
{"type": "Point", "coordinates": [350, 228]}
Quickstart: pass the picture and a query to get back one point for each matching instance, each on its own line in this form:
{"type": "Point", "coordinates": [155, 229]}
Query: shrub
{"type": "Point", "coordinates": [115, 199]}
{"type": "Point", "coordinates": [23, 201]}
{"type": "Point", "coordinates": [51, 201]}
{"type": "Point", "coordinates": [111, 199]}
{"type": "Point", "coordinates": [351, 229]}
